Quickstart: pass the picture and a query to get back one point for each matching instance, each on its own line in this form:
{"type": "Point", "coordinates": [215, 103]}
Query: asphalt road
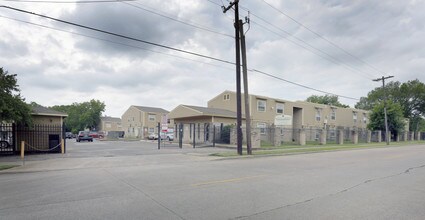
{"type": "Point", "coordinates": [385, 183]}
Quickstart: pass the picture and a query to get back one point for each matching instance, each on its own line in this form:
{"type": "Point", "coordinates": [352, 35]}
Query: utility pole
{"type": "Point", "coordinates": [245, 87]}
{"type": "Point", "coordinates": [238, 75]}
{"type": "Point", "coordinates": [383, 78]}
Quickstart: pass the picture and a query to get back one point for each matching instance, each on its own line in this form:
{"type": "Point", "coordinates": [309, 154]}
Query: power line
{"type": "Point", "coordinates": [114, 42]}
{"type": "Point", "coordinates": [119, 35]}
{"type": "Point", "coordinates": [297, 84]}
{"type": "Point", "coordinates": [151, 10]}
{"type": "Point", "coordinates": [74, 2]}
{"type": "Point", "coordinates": [159, 45]}
{"type": "Point", "coordinates": [329, 58]}
{"type": "Point", "coordinates": [325, 39]}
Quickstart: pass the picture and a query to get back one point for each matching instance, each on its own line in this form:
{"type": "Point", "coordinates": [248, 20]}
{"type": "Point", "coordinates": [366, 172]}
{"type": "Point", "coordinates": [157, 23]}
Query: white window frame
{"type": "Point", "coordinates": [354, 117]}
{"type": "Point", "coordinates": [262, 126]}
{"type": "Point", "coordinates": [226, 97]}
{"type": "Point", "coordinates": [150, 117]}
{"type": "Point", "coordinates": [280, 106]}
{"type": "Point", "coordinates": [258, 105]}
{"type": "Point", "coordinates": [151, 130]}
{"type": "Point", "coordinates": [318, 115]}
{"type": "Point", "coordinates": [333, 114]}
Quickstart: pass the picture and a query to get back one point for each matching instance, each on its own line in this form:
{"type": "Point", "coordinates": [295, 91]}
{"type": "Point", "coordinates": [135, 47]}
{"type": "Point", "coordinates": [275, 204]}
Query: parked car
{"type": "Point", "coordinates": [169, 135]}
{"type": "Point", "coordinates": [84, 136]}
{"type": "Point", "coordinates": [153, 136]}
{"type": "Point", "coordinates": [94, 134]}
{"type": "Point", "coordinates": [69, 135]}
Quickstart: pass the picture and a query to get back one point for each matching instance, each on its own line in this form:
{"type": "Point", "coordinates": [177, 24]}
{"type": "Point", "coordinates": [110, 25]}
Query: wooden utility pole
{"type": "Point", "coordinates": [238, 76]}
{"type": "Point", "coordinates": [385, 106]}
{"type": "Point", "coordinates": [245, 87]}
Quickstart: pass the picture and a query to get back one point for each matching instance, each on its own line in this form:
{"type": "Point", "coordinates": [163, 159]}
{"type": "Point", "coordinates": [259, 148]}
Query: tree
{"type": "Point", "coordinates": [326, 100]}
{"type": "Point", "coordinates": [12, 106]}
{"type": "Point", "coordinates": [410, 95]}
{"type": "Point", "coordinates": [396, 122]}
{"type": "Point", "coordinates": [82, 115]}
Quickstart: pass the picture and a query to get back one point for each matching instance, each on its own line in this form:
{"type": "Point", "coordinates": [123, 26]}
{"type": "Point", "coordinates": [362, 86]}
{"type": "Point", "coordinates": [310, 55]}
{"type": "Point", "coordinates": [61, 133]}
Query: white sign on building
{"type": "Point", "coordinates": [283, 120]}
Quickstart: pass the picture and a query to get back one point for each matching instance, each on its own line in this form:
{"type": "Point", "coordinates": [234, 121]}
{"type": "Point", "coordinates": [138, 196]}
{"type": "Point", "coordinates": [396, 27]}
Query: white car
{"type": "Point", "coordinates": [153, 136]}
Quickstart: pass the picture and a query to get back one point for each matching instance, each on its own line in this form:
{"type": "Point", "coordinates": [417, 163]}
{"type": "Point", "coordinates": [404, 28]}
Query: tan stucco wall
{"type": "Point", "coordinates": [47, 120]}
{"type": "Point", "coordinates": [136, 123]}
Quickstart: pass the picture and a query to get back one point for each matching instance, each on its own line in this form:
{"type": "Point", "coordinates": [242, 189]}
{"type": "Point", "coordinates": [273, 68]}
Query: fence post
{"type": "Point", "coordinates": [340, 136]}
{"type": "Point", "coordinates": [63, 146]}
{"type": "Point", "coordinates": [23, 152]}
{"type": "Point", "coordinates": [181, 135]}
{"type": "Point", "coordinates": [379, 136]}
{"type": "Point", "coordinates": [194, 133]}
{"type": "Point", "coordinates": [369, 136]}
{"type": "Point", "coordinates": [159, 135]}
{"type": "Point", "coordinates": [355, 136]}
{"type": "Point", "coordinates": [405, 136]}
{"type": "Point", "coordinates": [322, 136]}
{"type": "Point", "coordinates": [214, 136]}
{"type": "Point", "coordinates": [302, 137]}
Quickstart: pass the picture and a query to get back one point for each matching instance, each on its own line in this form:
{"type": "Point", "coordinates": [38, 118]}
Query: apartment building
{"type": "Point", "coordinates": [267, 111]}
{"type": "Point", "coordinates": [140, 121]}
{"type": "Point", "coordinates": [108, 123]}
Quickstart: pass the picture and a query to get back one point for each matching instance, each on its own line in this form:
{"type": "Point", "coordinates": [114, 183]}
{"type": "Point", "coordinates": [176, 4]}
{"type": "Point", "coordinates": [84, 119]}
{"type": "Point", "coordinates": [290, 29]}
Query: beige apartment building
{"type": "Point", "coordinates": [140, 121]}
{"type": "Point", "coordinates": [267, 111]}
{"type": "Point", "coordinates": [108, 124]}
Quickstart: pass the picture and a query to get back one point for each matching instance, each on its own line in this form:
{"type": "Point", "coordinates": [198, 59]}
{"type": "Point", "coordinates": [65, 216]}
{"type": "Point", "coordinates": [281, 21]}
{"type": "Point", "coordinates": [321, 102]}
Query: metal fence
{"type": "Point", "coordinates": [37, 138]}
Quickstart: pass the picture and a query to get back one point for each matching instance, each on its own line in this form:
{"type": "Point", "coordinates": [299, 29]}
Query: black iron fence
{"type": "Point", "coordinates": [36, 138]}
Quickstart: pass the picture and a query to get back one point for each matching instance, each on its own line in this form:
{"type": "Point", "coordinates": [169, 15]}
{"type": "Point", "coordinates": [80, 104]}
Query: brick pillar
{"type": "Point", "coordinates": [233, 136]}
{"type": "Point", "coordinates": [355, 136]}
{"type": "Point", "coordinates": [323, 136]}
{"type": "Point", "coordinates": [397, 138]}
{"type": "Point", "coordinates": [379, 136]}
{"type": "Point", "coordinates": [255, 138]}
{"type": "Point", "coordinates": [301, 137]}
{"type": "Point", "coordinates": [340, 136]}
{"type": "Point", "coordinates": [412, 136]}
{"type": "Point", "coordinates": [418, 136]}
{"type": "Point", "coordinates": [369, 136]}
{"type": "Point", "coordinates": [277, 139]}
{"type": "Point", "coordinates": [405, 136]}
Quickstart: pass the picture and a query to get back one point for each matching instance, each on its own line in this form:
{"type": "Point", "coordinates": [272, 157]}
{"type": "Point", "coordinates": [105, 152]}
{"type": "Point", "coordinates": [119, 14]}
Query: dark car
{"type": "Point", "coordinates": [69, 135]}
{"type": "Point", "coordinates": [84, 136]}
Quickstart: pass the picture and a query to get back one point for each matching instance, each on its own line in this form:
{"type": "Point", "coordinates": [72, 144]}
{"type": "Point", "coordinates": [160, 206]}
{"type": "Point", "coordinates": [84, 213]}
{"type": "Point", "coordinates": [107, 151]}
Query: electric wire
{"type": "Point", "coordinates": [323, 38]}
{"type": "Point", "coordinates": [67, 2]}
{"type": "Point", "coordinates": [154, 44]}
{"type": "Point", "coordinates": [151, 10]}
{"type": "Point", "coordinates": [118, 35]}
{"type": "Point", "coordinates": [114, 42]}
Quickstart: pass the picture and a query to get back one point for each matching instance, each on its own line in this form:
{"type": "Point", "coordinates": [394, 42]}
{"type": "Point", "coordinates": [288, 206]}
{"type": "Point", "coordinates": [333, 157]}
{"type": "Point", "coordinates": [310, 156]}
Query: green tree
{"type": "Point", "coordinates": [82, 115]}
{"type": "Point", "coordinates": [410, 95]}
{"type": "Point", "coordinates": [326, 100]}
{"type": "Point", "coordinates": [396, 122]}
{"type": "Point", "coordinates": [12, 106]}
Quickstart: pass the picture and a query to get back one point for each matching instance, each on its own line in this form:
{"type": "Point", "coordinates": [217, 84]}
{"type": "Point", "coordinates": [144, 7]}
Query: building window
{"type": "Point", "coordinates": [151, 130]}
{"type": "Point", "coordinates": [318, 114]}
{"type": "Point", "coordinates": [226, 97]}
{"type": "Point", "coordinates": [365, 118]}
{"type": "Point", "coordinates": [333, 114]}
{"type": "Point", "coordinates": [261, 105]}
{"type": "Point", "coordinates": [119, 125]}
{"type": "Point", "coordinates": [354, 117]}
{"type": "Point", "coordinates": [108, 125]}
{"type": "Point", "coordinates": [279, 108]}
{"type": "Point", "coordinates": [151, 117]}
{"type": "Point", "coordinates": [332, 134]}
{"type": "Point", "coordinates": [262, 127]}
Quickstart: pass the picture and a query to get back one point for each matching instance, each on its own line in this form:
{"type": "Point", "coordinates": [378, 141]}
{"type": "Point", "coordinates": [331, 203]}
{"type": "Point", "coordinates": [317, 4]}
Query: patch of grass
{"type": "Point", "coordinates": [296, 149]}
{"type": "Point", "coordinates": [7, 166]}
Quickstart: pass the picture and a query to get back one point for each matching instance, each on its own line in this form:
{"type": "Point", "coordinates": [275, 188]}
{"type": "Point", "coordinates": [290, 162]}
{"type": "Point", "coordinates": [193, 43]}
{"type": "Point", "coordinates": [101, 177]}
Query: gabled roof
{"type": "Point", "coordinates": [41, 110]}
{"type": "Point", "coordinates": [150, 109]}
{"type": "Point", "coordinates": [187, 111]}
{"type": "Point", "coordinates": [212, 111]}
{"type": "Point", "coordinates": [111, 119]}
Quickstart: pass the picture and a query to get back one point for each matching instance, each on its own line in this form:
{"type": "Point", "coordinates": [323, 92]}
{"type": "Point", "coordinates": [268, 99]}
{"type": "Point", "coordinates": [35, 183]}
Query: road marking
{"type": "Point", "coordinates": [226, 181]}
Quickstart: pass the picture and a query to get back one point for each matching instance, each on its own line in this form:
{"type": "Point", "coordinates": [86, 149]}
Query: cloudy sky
{"type": "Point", "coordinates": [330, 45]}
